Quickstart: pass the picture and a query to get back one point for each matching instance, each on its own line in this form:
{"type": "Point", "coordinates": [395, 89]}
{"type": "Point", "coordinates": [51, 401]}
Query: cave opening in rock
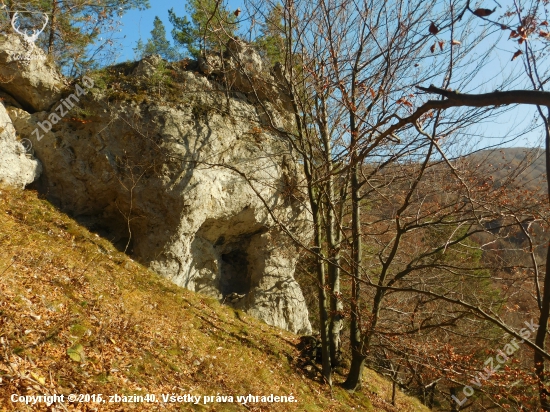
{"type": "Point", "coordinates": [234, 276]}
{"type": "Point", "coordinates": [228, 256]}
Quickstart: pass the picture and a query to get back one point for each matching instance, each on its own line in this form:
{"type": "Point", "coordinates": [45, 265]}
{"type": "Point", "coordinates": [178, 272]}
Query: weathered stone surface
{"type": "Point", "coordinates": [243, 69]}
{"type": "Point", "coordinates": [27, 74]}
{"type": "Point", "coordinates": [185, 186]}
{"type": "Point", "coordinates": [148, 66]}
{"type": "Point", "coordinates": [17, 168]}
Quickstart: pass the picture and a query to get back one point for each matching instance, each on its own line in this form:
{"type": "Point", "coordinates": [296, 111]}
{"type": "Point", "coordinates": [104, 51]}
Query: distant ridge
{"type": "Point", "coordinates": [520, 166]}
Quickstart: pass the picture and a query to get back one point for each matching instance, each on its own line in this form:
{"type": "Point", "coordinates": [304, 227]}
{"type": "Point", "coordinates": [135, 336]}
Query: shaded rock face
{"type": "Point", "coordinates": [183, 186]}
{"type": "Point", "coordinates": [17, 168]}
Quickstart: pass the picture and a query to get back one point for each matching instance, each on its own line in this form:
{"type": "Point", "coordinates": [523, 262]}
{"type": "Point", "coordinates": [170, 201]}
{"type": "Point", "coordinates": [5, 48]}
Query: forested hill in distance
{"type": "Point", "coordinates": [524, 166]}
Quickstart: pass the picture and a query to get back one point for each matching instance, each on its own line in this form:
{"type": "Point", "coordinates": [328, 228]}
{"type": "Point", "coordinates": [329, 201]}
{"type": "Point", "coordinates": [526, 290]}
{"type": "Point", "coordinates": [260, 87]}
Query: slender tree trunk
{"type": "Point", "coordinates": [393, 385]}
{"type": "Point", "coordinates": [540, 338]}
{"type": "Point", "coordinates": [323, 304]}
{"type": "Point", "coordinates": [353, 381]}
{"type": "Point", "coordinates": [10, 9]}
{"type": "Point", "coordinates": [358, 355]}
{"type": "Point", "coordinates": [336, 306]}
{"type": "Point", "coordinates": [324, 324]}
{"type": "Point", "coordinates": [302, 142]}
{"type": "Point", "coordinates": [333, 239]}
{"type": "Point", "coordinates": [430, 403]}
{"type": "Point", "coordinates": [355, 374]}
{"type": "Point", "coordinates": [395, 375]}
{"type": "Point", "coordinates": [53, 26]}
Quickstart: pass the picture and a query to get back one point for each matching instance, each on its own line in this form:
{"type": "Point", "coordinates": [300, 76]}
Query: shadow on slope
{"type": "Point", "coordinates": [77, 316]}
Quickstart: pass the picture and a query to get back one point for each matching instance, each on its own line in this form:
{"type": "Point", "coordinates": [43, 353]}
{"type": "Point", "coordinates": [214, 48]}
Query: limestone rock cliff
{"type": "Point", "coordinates": [177, 167]}
{"type": "Point", "coordinates": [27, 74]}
{"type": "Point", "coordinates": [17, 168]}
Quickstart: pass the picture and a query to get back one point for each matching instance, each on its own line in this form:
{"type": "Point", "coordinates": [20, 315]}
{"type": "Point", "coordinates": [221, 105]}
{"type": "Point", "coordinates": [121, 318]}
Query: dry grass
{"type": "Point", "coordinates": [65, 291]}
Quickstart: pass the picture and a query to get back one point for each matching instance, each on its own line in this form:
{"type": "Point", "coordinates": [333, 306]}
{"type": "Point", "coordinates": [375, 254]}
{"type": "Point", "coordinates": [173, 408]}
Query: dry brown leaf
{"type": "Point", "coordinates": [484, 12]}
{"type": "Point", "coordinates": [517, 54]}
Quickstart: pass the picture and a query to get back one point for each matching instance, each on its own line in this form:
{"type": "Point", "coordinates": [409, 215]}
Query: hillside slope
{"type": "Point", "coordinates": [78, 317]}
{"type": "Point", "coordinates": [525, 167]}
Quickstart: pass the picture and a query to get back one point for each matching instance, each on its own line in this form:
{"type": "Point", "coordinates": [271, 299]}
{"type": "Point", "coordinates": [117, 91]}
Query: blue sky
{"type": "Point", "coordinates": [138, 24]}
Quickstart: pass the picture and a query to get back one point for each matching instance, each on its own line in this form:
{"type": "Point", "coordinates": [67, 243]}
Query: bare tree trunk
{"type": "Point", "coordinates": [355, 374]}
{"type": "Point", "coordinates": [540, 338]}
{"type": "Point", "coordinates": [323, 312]}
{"type": "Point", "coordinates": [53, 26]}
{"type": "Point", "coordinates": [393, 385]}
{"type": "Point", "coordinates": [10, 9]}
{"type": "Point", "coordinates": [336, 306]}
{"type": "Point", "coordinates": [358, 355]}
{"type": "Point", "coordinates": [333, 238]}
{"type": "Point", "coordinates": [318, 240]}
{"type": "Point", "coordinates": [394, 377]}
{"type": "Point", "coordinates": [307, 155]}
{"type": "Point", "coordinates": [353, 380]}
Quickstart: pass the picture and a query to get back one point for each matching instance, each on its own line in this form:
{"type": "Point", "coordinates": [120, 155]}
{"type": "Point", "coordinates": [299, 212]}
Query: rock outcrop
{"type": "Point", "coordinates": [27, 74]}
{"type": "Point", "coordinates": [17, 167]}
{"type": "Point", "coordinates": [242, 69]}
{"type": "Point", "coordinates": [180, 170]}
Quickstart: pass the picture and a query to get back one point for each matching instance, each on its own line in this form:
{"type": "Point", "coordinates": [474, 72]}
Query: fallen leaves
{"type": "Point", "coordinates": [139, 341]}
{"type": "Point", "coordinates": [38, 378]}
{"type": "Point", "coordinates": [76, 352]}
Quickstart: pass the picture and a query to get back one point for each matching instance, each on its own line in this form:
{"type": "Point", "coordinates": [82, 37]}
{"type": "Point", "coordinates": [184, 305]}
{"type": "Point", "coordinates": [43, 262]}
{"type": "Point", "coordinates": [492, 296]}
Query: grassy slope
{"type": "Point", "coordinates": [62, 286]}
